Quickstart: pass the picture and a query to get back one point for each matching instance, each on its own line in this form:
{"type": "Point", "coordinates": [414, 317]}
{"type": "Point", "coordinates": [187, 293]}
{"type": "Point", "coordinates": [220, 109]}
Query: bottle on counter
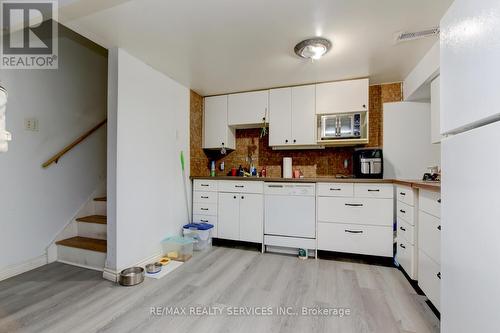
{"type": "Point", "coordinates": [263, 172]}
{"type": "Point", "coordinates": [212, 169]}
{"type": "Point", "coordinates": [241, 172]}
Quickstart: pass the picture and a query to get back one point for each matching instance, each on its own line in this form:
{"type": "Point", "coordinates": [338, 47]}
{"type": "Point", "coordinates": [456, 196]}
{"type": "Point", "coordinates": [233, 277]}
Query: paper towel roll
{"type": "Point", "coordinates": [287, 167]}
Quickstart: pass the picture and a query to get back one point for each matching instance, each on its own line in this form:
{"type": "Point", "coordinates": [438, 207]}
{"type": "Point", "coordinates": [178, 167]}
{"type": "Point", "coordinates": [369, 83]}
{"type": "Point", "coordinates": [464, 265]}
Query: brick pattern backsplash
{"type": "Point", "coordinates": [312, 163]}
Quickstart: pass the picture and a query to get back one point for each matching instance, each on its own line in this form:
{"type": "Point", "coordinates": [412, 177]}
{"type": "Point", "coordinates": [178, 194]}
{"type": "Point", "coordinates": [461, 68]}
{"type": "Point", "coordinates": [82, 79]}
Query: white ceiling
{"type": "Point", "coordinates": [221, 46]}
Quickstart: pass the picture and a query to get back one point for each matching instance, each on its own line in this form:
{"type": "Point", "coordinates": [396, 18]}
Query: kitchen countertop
{"type": "Point", "coordinates": [426, 185]}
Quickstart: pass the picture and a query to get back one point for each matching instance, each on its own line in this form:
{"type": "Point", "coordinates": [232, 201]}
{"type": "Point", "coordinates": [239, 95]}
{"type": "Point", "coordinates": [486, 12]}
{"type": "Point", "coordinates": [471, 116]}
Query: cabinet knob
{"type": "Point", "coordinates": [286, 141]}
{"type": "Point", "coordinates": [364, 106]}
{"type": "Point", "coordinates": [223, 143]}
{"type": "Point", "coordinates": [234, 197]}
{"type": "Point", "coordinates": [242, 197]}
{"type": "Point", "coordinates": [294, 140]}
{"type": "Point", "coordinates": [439, 275]}
{"type": "Point", "coordinates": [439, 200]}
{"type": "Point", "coordinates": [439, 227]}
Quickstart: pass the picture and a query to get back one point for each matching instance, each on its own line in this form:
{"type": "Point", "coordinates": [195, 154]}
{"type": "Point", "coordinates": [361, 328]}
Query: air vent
{"type": "Point", "coordinates": [407, 36]}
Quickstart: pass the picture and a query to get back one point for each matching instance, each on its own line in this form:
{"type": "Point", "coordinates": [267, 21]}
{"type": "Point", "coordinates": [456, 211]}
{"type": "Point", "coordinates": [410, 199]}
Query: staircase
{"type": "Point", "coordinates": [88, 248]}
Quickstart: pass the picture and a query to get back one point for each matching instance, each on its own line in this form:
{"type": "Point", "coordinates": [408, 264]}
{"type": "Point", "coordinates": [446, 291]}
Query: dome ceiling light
{"type": "Point", "coordinates": [313, 48]}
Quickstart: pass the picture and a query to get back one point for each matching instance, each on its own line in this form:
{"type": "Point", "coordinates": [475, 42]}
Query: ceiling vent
{"type": "Point", "coordinates": [408, 36]}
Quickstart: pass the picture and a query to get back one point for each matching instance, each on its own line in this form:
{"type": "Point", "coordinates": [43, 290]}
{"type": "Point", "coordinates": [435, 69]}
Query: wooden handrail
{"type": "Point", "coordinates": [56, 157]}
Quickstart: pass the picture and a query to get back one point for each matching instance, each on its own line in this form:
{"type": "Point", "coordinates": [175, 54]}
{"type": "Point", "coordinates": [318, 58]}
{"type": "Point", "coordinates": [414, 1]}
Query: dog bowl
{"type": "Point", "coordinates": [153, 268]}
{"type": "Point", "coordinates": [131, 276]}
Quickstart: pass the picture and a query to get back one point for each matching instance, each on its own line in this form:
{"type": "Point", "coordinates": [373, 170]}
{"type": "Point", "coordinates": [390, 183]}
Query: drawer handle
{"type": "Point", "coordinates": [402, 193]}
{"type": "Point", "coordinates": [354, 231]}
{"type": "Point", "coordinates": [204, 197]}
{"type": "Point", "coordinates": [354, 205]}
{"type": "Point", "coordinates": [401, 245]}
{"type": "Point", "coordinates": [439, 227]}
{"type": "Point", "coordinates": [206, 221]}
{"type": "Point", "coordinates": [335, 189]}
{"type": "Point", "coordinates": [439, 275]}
{"type": "Point", "coordinates": [402, 211]}
{"type": "Point", "coordinates": [205, 185]}
{"type": "Point", "coordinates": [439, 200]}
{"type": "Point", "coordinates": [369, 190]}
{"type": "Point", "coordinates": [239, 186]}
{"type": "Point", "coordinates": [277, 186]}
{"type": "Point", "coordinates": [204, 208]}
{"type": "Point", "coordinates": [403, 229]}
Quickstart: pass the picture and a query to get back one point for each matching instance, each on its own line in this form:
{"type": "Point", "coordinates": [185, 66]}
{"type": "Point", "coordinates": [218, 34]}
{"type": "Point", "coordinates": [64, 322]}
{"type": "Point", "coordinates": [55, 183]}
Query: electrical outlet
{"type": "Point", "coordinates": [31, 124]}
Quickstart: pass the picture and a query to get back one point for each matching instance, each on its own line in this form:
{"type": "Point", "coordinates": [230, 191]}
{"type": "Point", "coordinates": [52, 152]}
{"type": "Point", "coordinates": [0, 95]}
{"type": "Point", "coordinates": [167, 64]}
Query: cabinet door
{"type": "Point", "coordinates": [280, 116]}
{"type": "Point", "coordinates": [228, 219]}
{"type": "Point", "coordinates": [216, 132]}
{"type": "Point", "coordinates": [247, 109]}
{"type": "Point", "coordinates": [435, 111]}
{"type": "Point", "coordinates": [342, 96]}
{"type": "Point", "coordinates": [303, 115]}
{"type": "Point", "coordinates": [251, 217]}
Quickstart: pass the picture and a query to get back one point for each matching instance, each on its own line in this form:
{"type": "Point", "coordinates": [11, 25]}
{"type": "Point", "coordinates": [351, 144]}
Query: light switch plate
{"type": "Point", "coordinates": [31, 124]}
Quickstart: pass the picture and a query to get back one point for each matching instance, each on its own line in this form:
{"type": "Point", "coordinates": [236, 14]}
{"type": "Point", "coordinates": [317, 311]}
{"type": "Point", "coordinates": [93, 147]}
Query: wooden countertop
{"type": "Point", "coordinates": [426, 185]}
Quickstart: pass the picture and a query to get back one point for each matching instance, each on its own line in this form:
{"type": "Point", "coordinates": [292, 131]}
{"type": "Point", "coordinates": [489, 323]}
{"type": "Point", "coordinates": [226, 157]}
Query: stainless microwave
{"type": "Point", "coordinates": [340, 126]}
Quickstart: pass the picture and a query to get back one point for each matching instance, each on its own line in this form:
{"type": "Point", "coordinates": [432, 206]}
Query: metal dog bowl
{"type": "Point", "coordinates": [131, 276]}
{"type": "Point", "coordinates": [153, 268]}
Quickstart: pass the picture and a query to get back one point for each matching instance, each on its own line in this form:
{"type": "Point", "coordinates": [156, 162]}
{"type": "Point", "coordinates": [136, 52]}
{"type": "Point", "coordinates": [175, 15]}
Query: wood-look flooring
{"type": "Point", "coordinates": [63, 298]}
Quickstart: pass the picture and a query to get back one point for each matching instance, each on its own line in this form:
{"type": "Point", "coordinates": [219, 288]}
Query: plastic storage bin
{"type": "Point", "coordinates": [201, 233]}
{"type": "Point", "coordinates": [178, 248]}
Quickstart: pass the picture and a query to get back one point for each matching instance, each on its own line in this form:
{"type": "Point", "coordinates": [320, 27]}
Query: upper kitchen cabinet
{"type": "Point", "coordinates": [435, 111]}
{"type": "Point", "coordinates": [469, 90]}
{"type": "Point", "coordinates": [247, 110]}
{"type": "Point", "coordinates": [292, 120]}
{"type": "Point", "coordinates": [342, 96]}
{"type": "Point", "coordinates": [216, 132]}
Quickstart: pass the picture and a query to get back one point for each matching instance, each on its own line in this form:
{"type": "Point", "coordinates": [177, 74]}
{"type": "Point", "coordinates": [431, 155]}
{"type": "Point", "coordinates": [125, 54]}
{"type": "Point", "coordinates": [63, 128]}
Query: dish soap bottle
{"type": "Point", "coordinates": [212, 169]}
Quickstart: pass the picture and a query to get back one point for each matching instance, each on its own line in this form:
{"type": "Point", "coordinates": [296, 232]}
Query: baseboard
{"type": "Point", "coordinates": [80, 265]}
{"type": "Point", "coordinates": [112, 275]}
{"type": "Point", "coordinates": [23, 267]}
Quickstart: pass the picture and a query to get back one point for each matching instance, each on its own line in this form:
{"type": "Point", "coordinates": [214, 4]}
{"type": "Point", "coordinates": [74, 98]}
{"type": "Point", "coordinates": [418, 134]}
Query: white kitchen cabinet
{"type": "Point", "coordinates": [241, 214]}
{"type": "Point", "coordinates": [435, 111]}
{"type": "Point", "coordinates": [229, 215]}
{"type": "Point", "coordinates": [342, 96]}
{"type": "Point", "coordinates": [429, 278]}
{"type": "Point", "coordinates": [355, 218]}
{"type": "Point", "coordinates": [292, 120]}
{"type": "Point", "coordinates": [247, 110]}
{"type": "Point", "coordinates": [216, 132]}
{"type": "Point", "coordinates": [406, 254]}
{"type": "Point", "coordinates": [251, 217]}
{"type": "Point", "coordinates": [303, 115]}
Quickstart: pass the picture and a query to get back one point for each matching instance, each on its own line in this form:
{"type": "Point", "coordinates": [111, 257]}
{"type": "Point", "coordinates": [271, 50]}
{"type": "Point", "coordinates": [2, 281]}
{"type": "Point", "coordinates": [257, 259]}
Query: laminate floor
{"type": "Point", "coordinates": [224, 285]}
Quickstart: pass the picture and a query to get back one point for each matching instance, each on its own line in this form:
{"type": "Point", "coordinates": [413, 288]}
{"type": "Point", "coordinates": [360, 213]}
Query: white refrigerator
{"type": "Point", "coordinates": [470, 116]}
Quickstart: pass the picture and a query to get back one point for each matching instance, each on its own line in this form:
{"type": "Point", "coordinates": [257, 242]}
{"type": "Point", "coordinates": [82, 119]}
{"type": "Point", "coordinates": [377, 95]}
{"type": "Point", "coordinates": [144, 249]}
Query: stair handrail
{"type": "Point", "coordinates": [56, 157]}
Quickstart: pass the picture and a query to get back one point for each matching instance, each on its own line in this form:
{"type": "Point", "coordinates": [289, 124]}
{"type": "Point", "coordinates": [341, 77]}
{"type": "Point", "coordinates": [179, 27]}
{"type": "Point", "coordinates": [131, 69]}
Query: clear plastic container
{"type": "Point", "coordinates": [201, 233]}
{"type": "Point", "coordinates": [178, 248]}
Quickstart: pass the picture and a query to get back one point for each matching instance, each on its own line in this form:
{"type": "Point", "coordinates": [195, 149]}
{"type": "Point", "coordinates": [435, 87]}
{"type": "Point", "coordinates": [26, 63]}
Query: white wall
{"type": "Point", "coordinates": [152, 124]}
{"type": "Point", "coordinates": [408, 150]}
{"type": "Point", "coordinates": [416, 86]}
{"type": "Point", "coordinates": [36, 203]}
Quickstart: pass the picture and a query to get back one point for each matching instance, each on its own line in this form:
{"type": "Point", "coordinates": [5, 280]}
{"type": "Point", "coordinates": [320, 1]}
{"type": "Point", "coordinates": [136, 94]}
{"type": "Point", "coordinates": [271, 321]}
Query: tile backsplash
{"type": "Point", "coordinates": [312, 163]}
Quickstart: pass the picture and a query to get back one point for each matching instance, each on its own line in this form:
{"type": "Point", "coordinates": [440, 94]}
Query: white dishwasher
{"type": "Point", "coordinates": [290, 215]}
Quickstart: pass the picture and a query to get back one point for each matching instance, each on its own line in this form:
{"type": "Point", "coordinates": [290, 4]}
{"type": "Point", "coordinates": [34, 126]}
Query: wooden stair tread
{"type": "Point", "coordinates": [101, 199]}
{"type": "Point", "coordinates": [92, 244]}
{"type": "Point", "coordinates": [100, 219]}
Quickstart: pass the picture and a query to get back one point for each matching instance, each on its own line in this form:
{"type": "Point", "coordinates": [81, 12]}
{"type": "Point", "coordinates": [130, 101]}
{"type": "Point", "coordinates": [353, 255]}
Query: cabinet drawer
{"type": "Point", "coordinates": [204, 209]}
{"type": "Point", "coordinates": [406, 257]}
{"type": "Point", "coordinates": [405, 194]}
{"type": "Point", "coordinates": [429, 236]}
{"type": "Point", "coordinates": [205, 185]}
{"type": "Point", "coordinates": [211, 219]}
{"type": "Point", "coordinates": [429, 278]}
{"type": "Point", "coordinates": [336, 189]}
{"type": "Point", "coordinates": [430, 202]}
{"type": "Point", "coordinates": [406, 212]}
{"type": "Point", "coordinates": [242, 186]}
{"type": "Point", "coordinates": [354, 238]}
{"type": "Point", "coordinates": [355, 210]}
{"type": "Point", "coordinates": [406, 231]}
{"type": "Point", "coordinates": [204, 197]}
{"type": "Point", "coordinates": [385, 191]}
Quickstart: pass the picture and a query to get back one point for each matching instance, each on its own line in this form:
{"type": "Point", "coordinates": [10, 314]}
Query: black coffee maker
{"type": "Point", "coordinates": [368, 163]}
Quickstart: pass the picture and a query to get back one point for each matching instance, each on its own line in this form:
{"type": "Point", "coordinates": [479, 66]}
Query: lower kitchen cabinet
{"type": "Point", "coordinates": [429, 278]}
{"type": "Point", "coordinates": [241, 216]}
{"type": "Point", "coordinates": [355, 238]}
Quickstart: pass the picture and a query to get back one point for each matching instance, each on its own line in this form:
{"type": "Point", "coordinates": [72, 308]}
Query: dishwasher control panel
{"type": "Point", "coordinates": [300, 189]}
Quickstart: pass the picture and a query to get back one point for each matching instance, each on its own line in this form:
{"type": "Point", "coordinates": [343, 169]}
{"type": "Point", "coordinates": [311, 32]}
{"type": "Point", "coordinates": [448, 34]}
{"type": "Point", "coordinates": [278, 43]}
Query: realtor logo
{"type": "Point", "coordinates": [29, 35]}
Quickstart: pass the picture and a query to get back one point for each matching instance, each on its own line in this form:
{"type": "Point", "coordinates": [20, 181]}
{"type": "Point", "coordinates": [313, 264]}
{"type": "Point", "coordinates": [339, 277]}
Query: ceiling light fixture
{"type": "Point", "coordinates": [313, 48]}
